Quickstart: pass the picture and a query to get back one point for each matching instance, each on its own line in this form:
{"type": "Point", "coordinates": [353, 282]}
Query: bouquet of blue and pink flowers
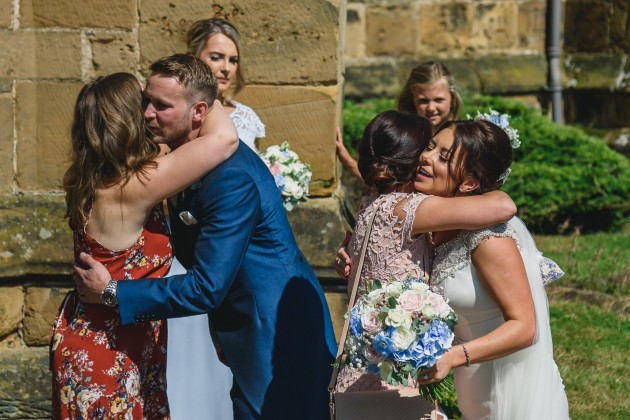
{"type": "Point", "coordinates": [399, 329]}
{"type": "Point", "coordinates": [291, 175]}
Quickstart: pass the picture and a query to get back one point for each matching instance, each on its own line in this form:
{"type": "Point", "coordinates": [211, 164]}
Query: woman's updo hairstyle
{"type": "Point", "coordinates": [485, 153]}
{"type": "Point", "coordinates": [390, 149]}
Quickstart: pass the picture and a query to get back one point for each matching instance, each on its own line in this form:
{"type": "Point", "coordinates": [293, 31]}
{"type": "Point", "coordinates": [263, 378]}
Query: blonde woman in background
{"type": "Point", "coordinates": [217, 43]}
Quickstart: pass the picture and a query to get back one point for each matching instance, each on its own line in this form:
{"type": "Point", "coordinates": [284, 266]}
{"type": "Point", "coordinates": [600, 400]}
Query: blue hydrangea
{"type": "Point", "coordinates": [383, 343]}
{"type": "Point", "coordinates": [356, 328]}
{"type": "Point", "coordinates": [436, 341]}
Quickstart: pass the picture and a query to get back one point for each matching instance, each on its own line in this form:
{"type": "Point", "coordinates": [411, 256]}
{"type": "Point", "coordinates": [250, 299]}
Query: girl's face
{"type": "Point", "coordinates": [221, 55]}
{"type": "Point", "coordinates": [433, 101]}
{"type": "Point", "coordinates": [433, 177]}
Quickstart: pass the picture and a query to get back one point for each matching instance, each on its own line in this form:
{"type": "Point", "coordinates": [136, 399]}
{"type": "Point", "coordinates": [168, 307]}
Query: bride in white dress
{"type": "Point", "coordinates": [198, 384]}
{"type": "Point", "coordinates": [504, 367]}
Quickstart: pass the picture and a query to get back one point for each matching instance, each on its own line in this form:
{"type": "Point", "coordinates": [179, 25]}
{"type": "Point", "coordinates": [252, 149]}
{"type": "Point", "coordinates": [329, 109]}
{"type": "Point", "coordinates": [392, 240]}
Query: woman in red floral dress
{"type": "Point", "coordinates": [114, 191]}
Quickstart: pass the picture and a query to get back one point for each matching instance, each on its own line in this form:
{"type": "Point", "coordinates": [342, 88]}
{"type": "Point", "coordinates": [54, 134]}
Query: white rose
{"type": "Point", "coordinates": [292, 189]}
{"type": "Point", "coordinates": [402, 338]}
{"type": "Point", "coordinates": [394, 289]}
{"type": "Point", "coordinates": [85, 399]}
{"type": "Point", "coordinates": [398, 318]}
{"type": "Point", "coordinates": [430, 311]}
{"type": "Point", "coordinates": [422, 287]}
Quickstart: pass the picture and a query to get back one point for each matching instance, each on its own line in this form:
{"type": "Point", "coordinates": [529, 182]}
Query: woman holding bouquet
{"type": "Point", "coordinates": [388, 160]}
{"type": "Point", "coordinates": [493, 280]}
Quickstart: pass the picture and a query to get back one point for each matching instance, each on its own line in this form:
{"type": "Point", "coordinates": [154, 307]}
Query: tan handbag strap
{"type": "Point", "coordinates": [353, 295]}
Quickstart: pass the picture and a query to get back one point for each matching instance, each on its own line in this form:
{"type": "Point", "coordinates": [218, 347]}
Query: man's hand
{"type": "Point", "coordinates": [90, 279]}
{"type": "Point", "coordinates": [343, 261]}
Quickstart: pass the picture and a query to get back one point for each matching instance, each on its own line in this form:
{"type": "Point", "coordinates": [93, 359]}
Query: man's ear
{"type": "Point", "coordinates": [199, 111]}
{"type": "Point", "coordinates": [470, 184]}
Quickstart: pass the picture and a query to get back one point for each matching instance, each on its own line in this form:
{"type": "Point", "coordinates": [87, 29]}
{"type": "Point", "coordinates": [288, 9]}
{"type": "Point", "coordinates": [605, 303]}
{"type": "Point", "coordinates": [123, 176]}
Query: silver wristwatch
{"type": "Point", "coordinates": [109, 296]}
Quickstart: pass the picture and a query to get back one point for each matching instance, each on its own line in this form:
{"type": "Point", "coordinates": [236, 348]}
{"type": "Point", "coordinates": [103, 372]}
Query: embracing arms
{"type": "Point", "coordinates": [501, 271]}
{"type": "Point", "coordinates": [177, 170]}
{"type": "Point", "coordinates": [470, 212]}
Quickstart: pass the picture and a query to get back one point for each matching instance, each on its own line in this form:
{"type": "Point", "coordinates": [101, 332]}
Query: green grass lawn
{"type": "Point", "coordinates": [599, 262]}
{"type": "Point", "coordinates": [592, 350]}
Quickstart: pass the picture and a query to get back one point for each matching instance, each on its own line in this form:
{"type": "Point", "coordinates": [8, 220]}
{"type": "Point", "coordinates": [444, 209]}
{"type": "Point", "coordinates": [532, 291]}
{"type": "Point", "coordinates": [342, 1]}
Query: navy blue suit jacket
{"type": "Point", "coordinates": [264, 301]}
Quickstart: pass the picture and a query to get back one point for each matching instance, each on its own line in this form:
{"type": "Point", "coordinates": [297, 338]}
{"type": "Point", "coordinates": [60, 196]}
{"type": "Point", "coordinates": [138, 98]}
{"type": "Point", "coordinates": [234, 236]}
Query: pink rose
{"type": "Point", "coordinates": [275, 169]}
{"type": "Point", "coordinates": [370, 322]}
{"type": "Point", "coordinates": [411, 300]}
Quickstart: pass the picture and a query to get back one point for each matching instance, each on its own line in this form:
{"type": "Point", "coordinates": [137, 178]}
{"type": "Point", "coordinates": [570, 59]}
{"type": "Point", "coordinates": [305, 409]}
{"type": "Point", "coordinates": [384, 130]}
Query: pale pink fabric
{"type": "Point", "coordinates": [392, 253]}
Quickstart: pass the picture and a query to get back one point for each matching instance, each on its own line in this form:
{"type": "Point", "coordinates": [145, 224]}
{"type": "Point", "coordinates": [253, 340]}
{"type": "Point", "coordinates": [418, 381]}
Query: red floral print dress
{"type": "Point", "coordinates": [101, 369]}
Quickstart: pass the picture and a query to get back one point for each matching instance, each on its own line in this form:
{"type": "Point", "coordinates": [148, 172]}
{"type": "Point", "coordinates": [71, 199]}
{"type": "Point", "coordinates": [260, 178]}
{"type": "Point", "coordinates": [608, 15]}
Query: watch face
{"type": "Point", "coordinates": [109, 298]}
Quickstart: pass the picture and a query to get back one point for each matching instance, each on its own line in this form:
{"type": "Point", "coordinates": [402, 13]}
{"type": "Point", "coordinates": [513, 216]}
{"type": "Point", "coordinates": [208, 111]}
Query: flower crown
{"type": "Point", "coordinates": [503, 121]}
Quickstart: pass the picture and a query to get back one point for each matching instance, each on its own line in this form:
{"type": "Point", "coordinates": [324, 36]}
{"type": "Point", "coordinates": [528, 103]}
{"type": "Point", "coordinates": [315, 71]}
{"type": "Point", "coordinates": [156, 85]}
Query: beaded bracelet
{"type": "Point", "coordinates": [467, 356]}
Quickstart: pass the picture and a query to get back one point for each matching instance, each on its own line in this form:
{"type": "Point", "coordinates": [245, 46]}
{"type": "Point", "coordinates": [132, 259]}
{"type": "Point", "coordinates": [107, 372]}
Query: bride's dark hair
{"type": "Point", "coordinates": [390, 149]}
{"type": "Point", "coordinates": [485, 153]}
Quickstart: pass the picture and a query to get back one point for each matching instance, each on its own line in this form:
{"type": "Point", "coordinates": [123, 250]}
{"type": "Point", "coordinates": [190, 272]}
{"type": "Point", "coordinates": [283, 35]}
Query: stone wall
{"type": "Point", "coordinates": [496, 47]}
{"type": "Point", "coordinates": [297, 67]}
{"type": "Point", "coordinates": [293, 63]}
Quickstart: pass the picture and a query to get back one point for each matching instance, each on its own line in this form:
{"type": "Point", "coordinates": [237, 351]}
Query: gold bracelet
{"type": "Point", "coordinates": [467, 356]}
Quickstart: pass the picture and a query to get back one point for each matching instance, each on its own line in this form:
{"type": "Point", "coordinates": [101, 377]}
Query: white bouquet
{"type": "Point", "coordinates": [291, 175]}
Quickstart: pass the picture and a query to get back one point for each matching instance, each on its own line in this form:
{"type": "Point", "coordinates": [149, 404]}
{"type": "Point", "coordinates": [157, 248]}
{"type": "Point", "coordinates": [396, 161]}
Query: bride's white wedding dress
{"type": "Point", "coordinates": [525, 384]}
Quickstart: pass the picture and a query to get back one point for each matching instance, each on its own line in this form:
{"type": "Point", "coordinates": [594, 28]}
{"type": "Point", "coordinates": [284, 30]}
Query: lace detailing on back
{"type": "Point", "coordinates": [454, 255]}
{"type": "Point", "coordinates": [392, 252]}
{"type": "Point", "coordinates": [248, 124]}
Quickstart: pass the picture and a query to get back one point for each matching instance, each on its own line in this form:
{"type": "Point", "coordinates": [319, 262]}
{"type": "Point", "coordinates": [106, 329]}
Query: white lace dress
{"type": "Point", "coordinates": [248, 124]}
{"type": "Point", "coordinates": [525, 384]}
{"type": "Point", "coordinates": [392, 253]}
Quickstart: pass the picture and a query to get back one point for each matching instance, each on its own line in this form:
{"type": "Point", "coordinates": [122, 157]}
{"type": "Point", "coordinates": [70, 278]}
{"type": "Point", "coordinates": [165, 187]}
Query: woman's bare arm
{"type": "Point", "coordinates": [177, 170]}
{"type": "Point", "coordinates": [501, 270]}
{"type": "Point", "coordinates": [470, 212]}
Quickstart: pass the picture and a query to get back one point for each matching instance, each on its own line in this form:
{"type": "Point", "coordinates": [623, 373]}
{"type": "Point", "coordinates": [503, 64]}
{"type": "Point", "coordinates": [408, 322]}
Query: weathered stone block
{"type": "Point", "coordinates": [74, 14]}
{"type": "Point", "coordinates": [373, 78]}
{"type": "Point", "coordinates": [6, 13]}
{"type": "Point", "coordinates": [25, 384]}
{"type": "Point", "coordinates": [113, 52]}
{"type": "Point", "coordinates": [391, 30]}
{"type": "Point", "coordinates": [500, 74]}
{"type": "Point", "coordinates": [43, 117]}
{"type": "Point", "coordinates": [39, 315]}
{"type": "Point", "coordinates": [34, 236]}
{"type": "Point", "coordinates": [620, 25]}
{"type": "Point", "coordinates": [463, 71]}
{"type": "Point", "coordinates": [445, 28]}
{"type": "Point", "coordinates": [594, 71]}
{"type": "Point", "coordinates": [306, 118]}
{"type": "Point", "coordinates": [356, 36]}
{"type": "Point", "coordinates": [587, 37]}
{"type": "Point", "coordinates": [6, 144]}
{"type": "Point", "coordinates": [284, 42]}
{"type": "Point", "coordinates": [40, 55]}
{"type": "Point", "coordinates": [319, 229]}
{"type": "Point", "coordinates": [495, 26]}
{"type": "Point", "coordinates": [11, 307]}
{"type": "Point", "coordinates": [532, 26]}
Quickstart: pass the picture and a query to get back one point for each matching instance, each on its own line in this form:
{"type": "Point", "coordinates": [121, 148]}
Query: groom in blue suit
{"type": "Point", "coordinates": [245, 270]}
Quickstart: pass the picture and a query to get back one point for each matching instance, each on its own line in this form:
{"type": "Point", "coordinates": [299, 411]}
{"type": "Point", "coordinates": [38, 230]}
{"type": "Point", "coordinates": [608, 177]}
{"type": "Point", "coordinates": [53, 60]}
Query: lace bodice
{"type": "Point", "coordinates": [455, 254]}
{"type": "Point", "coordinates": [392, 252]}
{"type": "Point", "coordinates": [248, 124]}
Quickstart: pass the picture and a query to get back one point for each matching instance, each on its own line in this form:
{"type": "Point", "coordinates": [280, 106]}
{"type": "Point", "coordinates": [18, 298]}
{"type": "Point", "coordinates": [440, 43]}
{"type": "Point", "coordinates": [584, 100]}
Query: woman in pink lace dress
{"type": "Point", "coordinates": [399, 244]}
